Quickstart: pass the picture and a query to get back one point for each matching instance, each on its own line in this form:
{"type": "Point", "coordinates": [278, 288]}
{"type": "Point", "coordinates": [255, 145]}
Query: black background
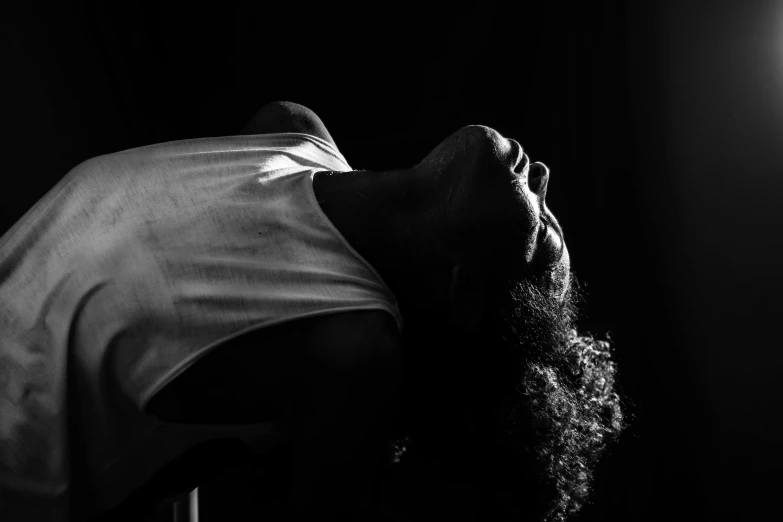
{"type": "Point", "coordinates": [661, 123]}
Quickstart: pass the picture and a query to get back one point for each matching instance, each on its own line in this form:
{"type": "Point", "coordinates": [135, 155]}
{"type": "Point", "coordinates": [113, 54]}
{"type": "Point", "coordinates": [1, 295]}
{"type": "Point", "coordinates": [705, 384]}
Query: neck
{"type": "Point", "coordinates": [383, 215]}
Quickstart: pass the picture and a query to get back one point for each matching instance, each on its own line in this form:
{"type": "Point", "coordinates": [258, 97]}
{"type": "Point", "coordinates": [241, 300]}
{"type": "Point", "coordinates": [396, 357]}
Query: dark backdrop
{"type": "Point", "coordinates": [661, 123]}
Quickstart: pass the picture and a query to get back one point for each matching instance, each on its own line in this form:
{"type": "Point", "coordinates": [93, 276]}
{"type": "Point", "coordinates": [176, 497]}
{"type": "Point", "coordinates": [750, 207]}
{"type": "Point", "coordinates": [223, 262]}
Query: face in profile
{"type": "Point", "coordinates": [538, 396]}
{"type": "Point", "coordinates": [486, 180]}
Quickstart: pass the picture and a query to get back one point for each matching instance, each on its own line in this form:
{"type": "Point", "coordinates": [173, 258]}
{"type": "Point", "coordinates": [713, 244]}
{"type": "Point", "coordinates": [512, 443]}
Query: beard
{"type": "Point", "coordinates": [521, 412]}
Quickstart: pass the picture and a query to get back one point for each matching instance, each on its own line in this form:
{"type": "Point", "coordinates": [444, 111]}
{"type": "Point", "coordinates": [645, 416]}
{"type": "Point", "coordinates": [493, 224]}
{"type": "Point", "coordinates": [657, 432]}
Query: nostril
{"type": "Point", "coordinates": [537, 176]}
{"type": "Point", "coordinates": [537, 170]}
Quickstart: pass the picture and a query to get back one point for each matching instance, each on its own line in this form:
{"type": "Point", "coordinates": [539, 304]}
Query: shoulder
{"type": "Point", "coordinates": [284, 116]}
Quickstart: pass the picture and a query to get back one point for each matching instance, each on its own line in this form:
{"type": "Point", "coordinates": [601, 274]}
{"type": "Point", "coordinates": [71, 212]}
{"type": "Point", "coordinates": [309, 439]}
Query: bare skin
{"type": "Point", "coordinates": [400, 221]}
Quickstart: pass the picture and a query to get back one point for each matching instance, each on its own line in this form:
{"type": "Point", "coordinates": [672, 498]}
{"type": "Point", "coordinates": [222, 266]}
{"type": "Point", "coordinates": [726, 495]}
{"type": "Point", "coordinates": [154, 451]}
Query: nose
{"type": "Point", "coordinates": [537, 178]}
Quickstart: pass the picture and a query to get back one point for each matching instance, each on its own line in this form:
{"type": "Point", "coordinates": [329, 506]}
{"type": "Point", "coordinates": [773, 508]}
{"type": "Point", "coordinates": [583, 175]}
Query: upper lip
{"type": "Point", "coordinates": [521, 158]}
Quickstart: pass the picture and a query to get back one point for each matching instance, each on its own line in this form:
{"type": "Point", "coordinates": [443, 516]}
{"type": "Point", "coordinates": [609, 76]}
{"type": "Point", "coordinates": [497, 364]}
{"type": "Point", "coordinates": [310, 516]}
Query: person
{"type": "Point", "coordinates": [410, 333]}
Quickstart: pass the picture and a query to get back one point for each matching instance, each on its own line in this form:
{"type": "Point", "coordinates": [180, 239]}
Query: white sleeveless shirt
{"type": "Point", "coordinates": [130, 269]}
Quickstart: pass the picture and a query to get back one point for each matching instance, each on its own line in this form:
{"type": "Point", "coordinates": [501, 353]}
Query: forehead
{"type": "Point", "coordinates": [470, 139]}
{"type": "Point", "coordinates": [482, 132]}
{"type": "Point", "coordinates": [484, 139]}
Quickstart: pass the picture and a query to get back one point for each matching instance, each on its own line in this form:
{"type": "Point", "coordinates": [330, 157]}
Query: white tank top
{"type": "Point", "coordinates": [131, 268]}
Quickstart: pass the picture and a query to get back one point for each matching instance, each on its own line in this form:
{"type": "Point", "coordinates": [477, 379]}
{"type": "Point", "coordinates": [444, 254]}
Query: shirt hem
{"type": "Point", "coordinates": [177, 370]}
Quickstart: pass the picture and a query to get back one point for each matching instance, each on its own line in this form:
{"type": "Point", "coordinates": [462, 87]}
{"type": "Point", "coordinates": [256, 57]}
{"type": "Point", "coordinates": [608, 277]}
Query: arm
{"type": "Point", "coordinates": [343, 418]}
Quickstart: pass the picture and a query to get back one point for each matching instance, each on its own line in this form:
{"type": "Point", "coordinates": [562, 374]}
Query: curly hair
{"type": "Point", "coordinates": [567, 410]}
{"type": "Point", "coordinates": [544, 409]}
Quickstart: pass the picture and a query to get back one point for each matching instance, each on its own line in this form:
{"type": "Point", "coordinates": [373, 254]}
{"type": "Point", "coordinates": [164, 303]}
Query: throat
{"type": "Point", "coordinates": [345, 206]}
{"type": "Point", "coordinates": [361, 206]}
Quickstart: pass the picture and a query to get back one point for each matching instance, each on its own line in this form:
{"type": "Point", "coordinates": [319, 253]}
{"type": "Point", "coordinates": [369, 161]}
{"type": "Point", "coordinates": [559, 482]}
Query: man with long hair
{"type": "Point", "coordinates": [410, 333]}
